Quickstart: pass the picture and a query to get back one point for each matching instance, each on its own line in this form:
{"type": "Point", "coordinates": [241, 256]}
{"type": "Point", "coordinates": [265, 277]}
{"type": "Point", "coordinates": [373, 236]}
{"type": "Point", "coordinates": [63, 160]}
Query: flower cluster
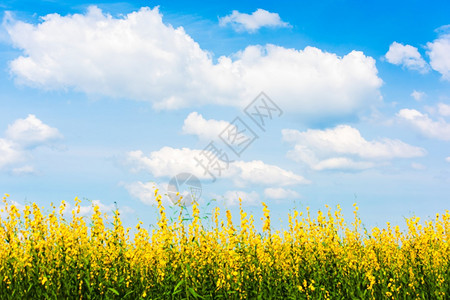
{"type": "Point", "coordinates": [53, 256]}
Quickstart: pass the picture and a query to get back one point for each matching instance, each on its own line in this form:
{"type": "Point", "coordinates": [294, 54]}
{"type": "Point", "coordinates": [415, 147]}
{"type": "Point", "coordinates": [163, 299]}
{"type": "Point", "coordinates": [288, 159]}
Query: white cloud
{"type": "Point", "coordinates": [251, 23]}
{"type": "Point", "coordinates": [139, 57]}
{"type": "Point", "coordinates": [309, 82]}
{"type": "Point", "coordinates": [257, 172]}
{"type": "Point", "coordinates": [407, 56]}
{"type": "Point", "coordinates": [168, 162]}
{"type": "Point", "coordinates": [422, 123]}
{"type": "Point", "coordinates": [417, 166]}
{"type": "Point", "coordinates": [344, 139]}
{"type": "Point", "coordinates": [280, 193]}
{"type": "Point", "coordinates": [31, 132]}
{"type": "Point", "coordinates": [439, 53]}
{"type": "Point", "coordinates": [205, 129]}
{"type": "Point", "coordinates": [20, 138]}
{"type": "Point", "coordinates": [170, 195]}
{"type": "Point", "coordinates": [417, 95]}
{"type": "Point", "coordinates": [232, 198]}
{"type": "Point", "coordinates": [136, 56]}
{"type": "Point", "coordinates": [145, 191]}
{"type": "Point", "coordinates": [443, 109]}
{"type": "Point", "coordinates": [343, 147]}
{"type": "Point", "coordinates": [24, 170]}
{"type": "Point", "coordinates": [9, 153]}
{"type": "Point", "coordinates": [109, 209]}
{"type": "Point", "coordinates": [447, 159]}
{"type": "Point", "coordinates": [341, 163]}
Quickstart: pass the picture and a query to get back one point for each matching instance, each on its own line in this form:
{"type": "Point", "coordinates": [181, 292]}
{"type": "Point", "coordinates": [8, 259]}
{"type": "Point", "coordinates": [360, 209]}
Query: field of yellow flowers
{"type": "Point", "coordinates": [51, 256]}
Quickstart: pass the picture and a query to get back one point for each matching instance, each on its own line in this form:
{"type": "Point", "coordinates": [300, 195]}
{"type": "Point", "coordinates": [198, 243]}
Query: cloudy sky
{"type": "Point", "coordinates": [108, 101]}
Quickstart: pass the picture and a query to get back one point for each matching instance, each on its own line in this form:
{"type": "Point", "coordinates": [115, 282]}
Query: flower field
{"type": "Point", "coordinates": [56, 256]}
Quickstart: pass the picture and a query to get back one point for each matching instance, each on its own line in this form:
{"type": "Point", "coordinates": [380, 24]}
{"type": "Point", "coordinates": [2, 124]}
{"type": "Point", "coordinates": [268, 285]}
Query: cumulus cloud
{"type": "Point", "coordinates": [417, 95]}
{"type": "Point", "coordinates": [443, 109]}
{"type": "Point", "coordinates": [145, 191]}
{"type": "Point", "coordinates": [417, 166]}
{"type": "Point", "coordinates": [280, 193]}
{"type": "Point", "coordinates": [231, 198]}
{"type": "Point", "coordinates": [252, 22]}
{"type": "Point", "coordinates": [9, 153]}
{"type": "Point", "coordinates": [20, 138]}
{"type": "Point", "coordinates": [205, 129]}
{"type": "Point", "coordinates": [24, 170]}
{"type": "Point", "coordinates": [310, 82]}
{"type": "Point", "coordinates": [168, 162]}
{"type": "Point", "coordinates": [343, 148]}
{"type": "Point", "coordinates": [88, 210]}
{"type": "Point", "coordinates": [407, 56]}
{"type": "Point", "coordinates": [31, 132]}
{"type": "Point", "coordinates": [424, 124]}
{"type": "Point", "coordinates": [139, 57]}
{"type": "Point", "coordinates": [258, 172]}
{"type": "Point", "coordinates": [439, 52]}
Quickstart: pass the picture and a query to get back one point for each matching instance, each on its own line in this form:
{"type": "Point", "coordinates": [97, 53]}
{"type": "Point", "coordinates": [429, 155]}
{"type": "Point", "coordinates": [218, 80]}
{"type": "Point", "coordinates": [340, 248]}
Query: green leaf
{"type": "Point", "coordinates": [130, 292]}
{"type": "Point", "coordinates": [114, 291]}
{"type": "Point", "coordinates": [191, 290]}
{"type": "Point", "coordinates": [177, 286]}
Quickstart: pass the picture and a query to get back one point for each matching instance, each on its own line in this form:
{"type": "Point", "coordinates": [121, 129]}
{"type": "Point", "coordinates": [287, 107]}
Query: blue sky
{"type": "Point", "coordinates": [107, 101]}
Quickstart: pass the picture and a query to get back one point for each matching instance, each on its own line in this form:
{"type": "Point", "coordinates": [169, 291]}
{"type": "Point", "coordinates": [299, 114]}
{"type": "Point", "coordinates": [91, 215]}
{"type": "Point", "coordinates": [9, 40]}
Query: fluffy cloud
{"type": "Point", "coordinates": [280, 193]}
{"type": "Point", "coordinates": [437, 50]}
{"type": "Point", "coordinates": [205, 129]}
{"type": "Point", "coordinates": [20, 138]}
{"type": "Point", "coordinates": [439, 53]}
{"type": "Point", "coordinates": [24, 170]}
{"type": "Point", "coordinates": [447, 159]}
{"type": "Point", "coordinates": [251, 23]}
{"type": "Point", "coordinates": [417, 166]}
{"type": "Point", "coordinates": [344, 148]}
{"type": "Point", "coordinates": [168, 162]}
{"type": "Point", "coordinates": [232, 198]}
{"type": "Point", "coordinates": [422, 123]}
{"type": "Point", "coordinates": [9, 153]}
{"type": "Point", "coordinates": [133, 57]}
{"type": "Point", "coordinates": [139, 57]}
{"type": "Point", "coordinates": [407, 56]}
{"type": "Point", "coordinates": [309, 82]}
{"type": "Point", "coordinates": [88, 210]}
{"type": "Point", "coordinates": [145, 191]}
{"type": "Point", "coordinates": [31, 132]}
{"type": "Point", "coordinates": [257, 172]}
{"type": "Point", "coordinates": [344, 139]}
{"type": "Point", "coordinates": [443, 109]}
{"type": "Point", "coordinates": [417, 95]}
